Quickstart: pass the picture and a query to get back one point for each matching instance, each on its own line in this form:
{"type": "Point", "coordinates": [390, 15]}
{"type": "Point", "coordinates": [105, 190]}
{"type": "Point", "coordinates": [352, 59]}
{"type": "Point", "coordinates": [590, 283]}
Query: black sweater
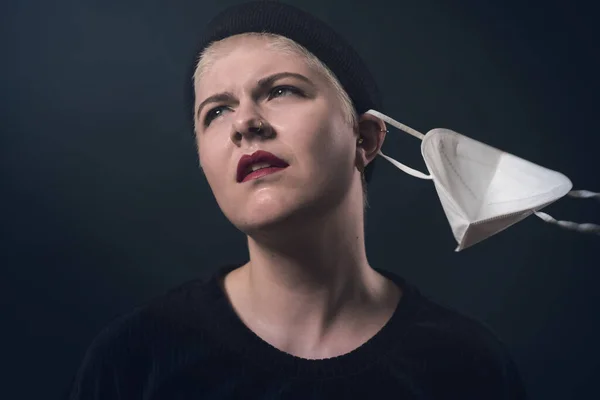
{"type": "Point", "coordinates": [190, 344]}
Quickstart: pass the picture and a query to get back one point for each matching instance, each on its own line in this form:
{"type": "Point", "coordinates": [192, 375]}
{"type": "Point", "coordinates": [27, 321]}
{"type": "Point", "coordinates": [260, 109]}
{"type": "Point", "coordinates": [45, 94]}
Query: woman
{"type": "Point", "coordinates": [284, 143]}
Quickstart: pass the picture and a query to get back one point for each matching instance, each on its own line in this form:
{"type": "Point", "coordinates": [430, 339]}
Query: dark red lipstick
{"type": "Point", "coordinates": [244, 169]}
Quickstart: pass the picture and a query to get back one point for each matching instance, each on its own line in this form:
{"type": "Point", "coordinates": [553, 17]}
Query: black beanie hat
{"type": "Point", "coordinates": [308, 31]}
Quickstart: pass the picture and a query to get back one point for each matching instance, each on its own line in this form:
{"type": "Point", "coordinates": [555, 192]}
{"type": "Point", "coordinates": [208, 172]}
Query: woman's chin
{"type": "Point", "coordinates": [271, 214]}
{"type": "Point", "coordinates": [272, 220]}
{"type": "Point", "coordinates": [263, 220]}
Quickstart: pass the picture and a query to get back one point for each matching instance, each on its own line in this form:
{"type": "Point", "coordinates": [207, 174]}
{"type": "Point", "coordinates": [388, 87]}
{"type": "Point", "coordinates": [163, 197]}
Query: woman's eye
{"type": "Point", "coordinates": [280, 91]}
{"type": "Point", "coordinates": [212, 114]}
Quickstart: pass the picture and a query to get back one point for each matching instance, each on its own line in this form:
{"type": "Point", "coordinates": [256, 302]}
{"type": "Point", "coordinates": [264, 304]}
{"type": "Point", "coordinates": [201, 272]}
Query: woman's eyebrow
{"type": "Point", "coordinates": [269, 80]}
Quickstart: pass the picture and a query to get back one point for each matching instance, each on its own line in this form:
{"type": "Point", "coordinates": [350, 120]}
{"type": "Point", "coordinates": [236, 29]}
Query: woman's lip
{"type": "Point", "coordinates": [262, 172]}
{"type": "Point", "coordinates": [258, 156]}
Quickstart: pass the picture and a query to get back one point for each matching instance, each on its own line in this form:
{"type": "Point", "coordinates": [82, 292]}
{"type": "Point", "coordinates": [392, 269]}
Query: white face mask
{"type": "Point", "coordinates": [484, 190]}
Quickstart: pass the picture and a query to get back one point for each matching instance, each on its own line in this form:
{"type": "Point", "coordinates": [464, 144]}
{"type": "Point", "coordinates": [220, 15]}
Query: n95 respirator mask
{"type": "Point", "coordinates": [484, 190]}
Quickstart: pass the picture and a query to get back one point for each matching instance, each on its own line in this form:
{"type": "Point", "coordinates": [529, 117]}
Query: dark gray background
{"type": "Point", "coordinates": [103, 205]}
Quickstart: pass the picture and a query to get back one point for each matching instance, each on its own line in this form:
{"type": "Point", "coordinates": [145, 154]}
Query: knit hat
{"type": "Point", "coordinates": [308, 31]}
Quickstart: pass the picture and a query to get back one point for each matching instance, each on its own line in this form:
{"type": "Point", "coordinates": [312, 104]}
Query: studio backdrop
{"type": "Point", "coordinates": [104, 205]}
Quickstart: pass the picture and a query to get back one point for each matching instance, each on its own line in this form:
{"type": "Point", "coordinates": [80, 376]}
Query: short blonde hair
{"type": "Point", "coordinates": [287, 45]}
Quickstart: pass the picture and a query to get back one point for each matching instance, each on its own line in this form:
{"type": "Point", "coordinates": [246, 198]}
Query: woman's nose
{"type": "Point", "coordinates": [249, 126]}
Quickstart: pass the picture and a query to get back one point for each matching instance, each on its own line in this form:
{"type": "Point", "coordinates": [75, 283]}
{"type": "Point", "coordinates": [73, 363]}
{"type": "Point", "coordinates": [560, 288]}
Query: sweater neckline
{"type": "Point", "coordinates": [237, 337]}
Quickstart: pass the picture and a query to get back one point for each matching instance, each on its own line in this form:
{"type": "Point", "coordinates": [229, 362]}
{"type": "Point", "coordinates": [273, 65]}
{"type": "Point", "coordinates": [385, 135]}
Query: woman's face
{"type": "Point", "coordinates": [307, 129]}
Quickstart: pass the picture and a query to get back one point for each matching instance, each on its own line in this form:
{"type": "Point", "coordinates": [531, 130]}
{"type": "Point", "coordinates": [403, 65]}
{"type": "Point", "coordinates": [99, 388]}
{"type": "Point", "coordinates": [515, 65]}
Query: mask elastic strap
{"type": "Point", "coordinates": [409, 130]}
{"type": "Point", "coordinates": [574, 226]}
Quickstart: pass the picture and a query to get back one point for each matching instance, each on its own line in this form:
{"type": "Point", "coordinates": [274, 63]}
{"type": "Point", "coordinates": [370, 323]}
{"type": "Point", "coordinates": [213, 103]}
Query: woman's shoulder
{"type": "Point", "coordinates": [429, 318]}
{"type": "Point", "coordinates": [457, 351]}
{"type": "Point", "coordinates": [167, 311]}
{"type": "Point", "coordinates": [133, 343]}
{"type": "Point", "coordinates": [454, 328]}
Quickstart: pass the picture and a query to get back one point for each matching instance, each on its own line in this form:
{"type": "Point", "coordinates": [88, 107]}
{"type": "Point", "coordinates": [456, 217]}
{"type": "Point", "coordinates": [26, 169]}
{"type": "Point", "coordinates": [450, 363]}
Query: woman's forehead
{"type": "Point", "coordinates": [247, 59]}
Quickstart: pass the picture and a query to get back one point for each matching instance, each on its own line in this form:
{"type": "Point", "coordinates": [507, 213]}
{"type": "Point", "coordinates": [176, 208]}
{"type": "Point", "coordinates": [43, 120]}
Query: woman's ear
{"type": "Point", "coordinates": [371, 134]}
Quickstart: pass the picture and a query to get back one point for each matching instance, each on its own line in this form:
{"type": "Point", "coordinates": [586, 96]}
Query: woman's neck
{"type": "Point", "coordinates": [300, 291]}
